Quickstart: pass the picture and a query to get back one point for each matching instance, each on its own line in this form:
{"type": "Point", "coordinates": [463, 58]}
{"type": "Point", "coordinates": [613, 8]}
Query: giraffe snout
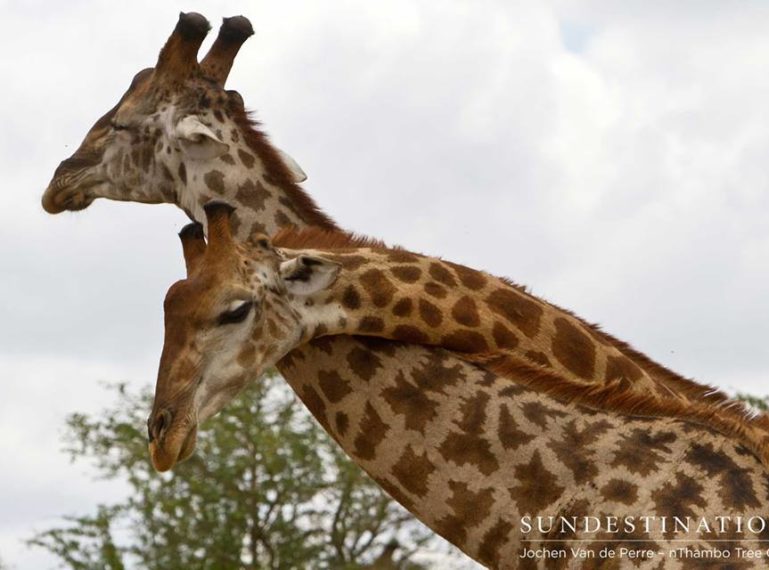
{"type": "Point", "coordinates": [158, 424]}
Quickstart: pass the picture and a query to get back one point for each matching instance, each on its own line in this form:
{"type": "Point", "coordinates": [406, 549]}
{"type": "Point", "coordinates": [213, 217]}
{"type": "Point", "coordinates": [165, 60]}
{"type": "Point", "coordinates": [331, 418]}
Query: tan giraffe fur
{"type": "Point", "coordinates": [468, 451]}
{"type": "Point", "coordinates": [136, 152]}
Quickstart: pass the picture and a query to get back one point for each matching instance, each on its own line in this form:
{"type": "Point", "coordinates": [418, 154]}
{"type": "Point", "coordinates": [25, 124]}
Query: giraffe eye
{"type": "Point", "coordinates": [236, 314]}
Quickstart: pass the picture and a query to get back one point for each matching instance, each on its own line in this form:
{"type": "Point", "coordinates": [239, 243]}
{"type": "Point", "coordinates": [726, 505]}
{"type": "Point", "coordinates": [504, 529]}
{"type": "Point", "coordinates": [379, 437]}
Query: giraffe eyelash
{"type": "Point", "coordinates": [236, 315]}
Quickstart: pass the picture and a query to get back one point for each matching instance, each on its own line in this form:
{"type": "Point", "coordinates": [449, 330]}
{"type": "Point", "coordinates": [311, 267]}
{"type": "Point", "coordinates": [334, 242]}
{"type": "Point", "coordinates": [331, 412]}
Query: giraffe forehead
{"type": "Point", "coordinates": [207, 292]}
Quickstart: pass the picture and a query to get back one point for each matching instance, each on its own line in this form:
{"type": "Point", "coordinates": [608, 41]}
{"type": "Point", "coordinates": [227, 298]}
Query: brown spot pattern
{"type": "Point", "coordinates": [406, 273]}
{"type": "Point", "coordinates": [620, 491]}
{"type": "Point", "coordinates": [474, 413]}
{"type": "Point", "coordinates": [314, 403]}
{"type": "Point", "coordinates": [246, 158]}
{"type": "Point", "coordinates": [334, 387]}
{"type": "Point", "coordinates": [734, 482]}
{"type": "Point", "coordinates": [342, 423]}
{"type": "Point", "coordinates": [510, 435]}
{"type": "Point", "coordinates": [437, 373]}
{"type": "Point", "coordinates": [465, 312]}
{"type": "Point", "coordinates": [215, 181]}
{"type": "Point", "coordinates": [282, 219]}
{"type": "Point", "coordinates": [640, 450]}
{"type": "Point", "coordinates": [538, 358]}
{"type": "Point", "coordinates": [371, 325]}
{"type": "Point", "coordinates": [442, 275]}
{"type": "Point", "coordinates": [469, 510]}
{"type": "Point", "coordinates": [410, 334]}
{"type": "Point", "coordinates": [326, 344]}
{"type": "Point", "coordinates": [470, 278]}
{"type": "Point", "coordinates": [252, 196]}
{"type": "Point", "coordinates": [463, 449]}
{"type": "Point", "coordinates": [403, 307]}
{"type": "Point", "coordinates": [363, 363]}
{"type": "Point", "coordinates": [412, 471]}
{"type": "Point", "coordinates": [622, 367]}
{"type": "Point", "coordinates": [351, 298]}
{"type": "Point", "coordinates": [411, 402]}
{"type": "Point", "coordinates": [470, 447]}
{"type": "Point", "coordinates": [536, 413]}
{"type": "Point", "coordinates": [537, 487]}
{"type": "Point", "coordinates": [521, 312]}
{"type": "Point", "coordinates": [574, 349]}
{"type": "Point", "coordinates": [504, 337]}
{"type": "Point", "coordinates": [582, 464]}
{"type": "Point", "coordinates": [247, 356]}
{"type": "Point", "coordinates": [465, 341]}
{"type": "Point", "coordinates": [378, 287]}
{"type": "Point", "coordinates": [494, 539]}
{"type": "Point", "coordinates": [435, 290]}
{"type": "Point", "coordinates": [349, 262]}
{"type": "Point", "coordinates": [679, 498]}
{"type": "Point", "coordinates": [430, 313]}
{"type": "Point", "coordinates": [372, 432]}
{"type": "Point", "coordinates": [376, 344]}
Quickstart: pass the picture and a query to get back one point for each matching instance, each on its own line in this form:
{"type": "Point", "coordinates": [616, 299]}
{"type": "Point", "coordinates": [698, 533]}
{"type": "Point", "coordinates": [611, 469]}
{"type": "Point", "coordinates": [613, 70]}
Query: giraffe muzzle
{"type": "Point", "coordinates": [59, 197]}
{"type": "Point", "coordinates": [171, 439]}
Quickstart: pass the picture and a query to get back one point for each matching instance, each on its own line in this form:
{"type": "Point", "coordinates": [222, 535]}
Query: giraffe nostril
{"type": "Point", "coordinates": [158, 424]}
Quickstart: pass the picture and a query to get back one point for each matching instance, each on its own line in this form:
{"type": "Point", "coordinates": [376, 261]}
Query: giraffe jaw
{"type": "Point", "coordinates": [173, 449]}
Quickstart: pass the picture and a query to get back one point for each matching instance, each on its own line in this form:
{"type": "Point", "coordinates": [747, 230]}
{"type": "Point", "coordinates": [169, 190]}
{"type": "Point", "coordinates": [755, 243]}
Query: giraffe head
{"type": "Point", "coordinates": [138, 149]}
{"type": "Point", "coordinates": [236, 314]}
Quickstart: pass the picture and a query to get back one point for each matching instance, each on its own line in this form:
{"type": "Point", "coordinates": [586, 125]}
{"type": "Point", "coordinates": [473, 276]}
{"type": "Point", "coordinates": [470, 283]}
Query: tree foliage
{"type": "Point", "coordinates": [266, 488]}
{"type": "Point", "coordinates": [757, 402]}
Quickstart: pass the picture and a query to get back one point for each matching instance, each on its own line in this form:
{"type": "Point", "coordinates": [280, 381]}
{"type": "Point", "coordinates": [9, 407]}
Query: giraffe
{"type": "Point", "coordinates": [398, 295]}
{"type": "Point", "coordinates": [177, 136]}
{"type": "Point", "coordinates": [475, 450]}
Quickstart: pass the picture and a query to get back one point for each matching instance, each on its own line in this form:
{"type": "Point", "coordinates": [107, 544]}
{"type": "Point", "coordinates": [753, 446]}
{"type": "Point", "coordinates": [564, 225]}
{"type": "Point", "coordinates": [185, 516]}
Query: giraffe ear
{"type": "Point", "coordinates": [308, 274]}
{"type": "Point", "coordinates": [197, 140]}
{"type": "Point", "coordinates": [297, 174]}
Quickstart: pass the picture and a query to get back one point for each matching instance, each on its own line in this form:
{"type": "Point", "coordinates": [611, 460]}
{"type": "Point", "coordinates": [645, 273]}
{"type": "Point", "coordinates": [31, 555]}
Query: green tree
{"type": "Point", "coordinates": [266, 488]}
{"type": "Point", "coordinates": [759, 403]}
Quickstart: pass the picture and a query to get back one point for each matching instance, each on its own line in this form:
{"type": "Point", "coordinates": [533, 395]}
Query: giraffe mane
{"type": "Point", "coordinates": [612, 397]}
{"type": "Point", "coordinates": [322, 238]}
{"type": "Point", "coordinates": [275, 169]}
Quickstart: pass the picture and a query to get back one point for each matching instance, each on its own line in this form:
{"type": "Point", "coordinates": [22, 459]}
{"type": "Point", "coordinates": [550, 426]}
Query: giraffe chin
{"type": "Point", "coordinates": [56, 202]}
{"type": "Point", "coordinates": [166, 455]}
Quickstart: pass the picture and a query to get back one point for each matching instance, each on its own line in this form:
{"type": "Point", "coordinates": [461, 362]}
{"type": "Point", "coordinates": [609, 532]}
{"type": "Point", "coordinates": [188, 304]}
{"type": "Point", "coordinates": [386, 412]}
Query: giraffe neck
{"type": "Point", "coordinates": [401, 296]}
{"type": "Point", "coordinates": [474, 455]}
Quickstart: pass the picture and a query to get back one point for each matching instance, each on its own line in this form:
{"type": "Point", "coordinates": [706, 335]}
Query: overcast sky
{"type": "Point", "coordinates": [612, 156]}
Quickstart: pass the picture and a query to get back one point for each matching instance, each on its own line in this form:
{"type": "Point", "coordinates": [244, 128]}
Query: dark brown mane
{"type": "Point", "coordinates": [277, 172]}
{"type": "Point", "coordinates": [740, 422]}
{"type": "Point", "coordinates": [690, 388]}
{"type": "Point", "coordinates": [322, 238]}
